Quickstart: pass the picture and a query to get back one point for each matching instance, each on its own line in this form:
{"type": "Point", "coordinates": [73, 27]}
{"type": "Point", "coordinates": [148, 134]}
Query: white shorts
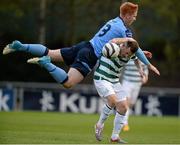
{"type": "Point", "coordinates": [132, 89]}
{"type": "Point", "coordinates": [105, 88]}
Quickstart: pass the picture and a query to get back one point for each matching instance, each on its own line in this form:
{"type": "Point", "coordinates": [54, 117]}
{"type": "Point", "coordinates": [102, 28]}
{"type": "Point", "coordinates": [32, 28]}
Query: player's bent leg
{"type": "Point", "coordinates": [106, 111]}
{"type": "Point", "coordinates": [74, 77]}
{"type": "Point", "coordinates": [35, 49]}
{"type": "Point", "coordinates": [118, 125]}
{"type": "Point", "coordinates": [67, 80]}
{"type": "Point", "coordinates": [119, 120]}
{"type": "Point", "coordinates": [57, 73]}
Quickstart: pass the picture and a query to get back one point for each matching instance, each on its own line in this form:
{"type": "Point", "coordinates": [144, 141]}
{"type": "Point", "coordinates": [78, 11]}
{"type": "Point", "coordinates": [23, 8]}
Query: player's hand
{"type": "Point", "coordinates": [147, 54]}
{"type": "Point", "coordinates": [154, 69]}
{"type": "Point", "coordinates": [130, 39]}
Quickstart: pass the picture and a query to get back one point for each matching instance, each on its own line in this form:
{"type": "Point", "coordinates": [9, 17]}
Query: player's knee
{"type": "Point", "coordinates": [55, 55]}
{"type": "Point", "coordinates": [122, 108]}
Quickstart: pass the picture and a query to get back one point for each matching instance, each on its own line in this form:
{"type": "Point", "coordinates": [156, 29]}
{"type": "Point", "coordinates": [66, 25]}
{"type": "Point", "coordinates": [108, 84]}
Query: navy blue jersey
{"type": "Point", "coordinates": [114, 28]}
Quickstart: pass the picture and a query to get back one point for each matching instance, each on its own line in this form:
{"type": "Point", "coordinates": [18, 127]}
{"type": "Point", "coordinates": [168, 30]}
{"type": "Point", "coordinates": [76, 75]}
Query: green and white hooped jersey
{"type": "Point", "coordinates": [131, 73]}
{"type": "Point", "coordinates": [110, 69]}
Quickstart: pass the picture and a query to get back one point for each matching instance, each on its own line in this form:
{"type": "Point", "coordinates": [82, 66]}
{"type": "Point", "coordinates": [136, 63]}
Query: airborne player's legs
{"type": "Point", "coordinates": [39, 50]}
{"type": "Point", "coordinates": [75, 57]}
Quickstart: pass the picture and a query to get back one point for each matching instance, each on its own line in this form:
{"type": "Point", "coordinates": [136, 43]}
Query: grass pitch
{"type": "Point", "coordinates": [67, 128]}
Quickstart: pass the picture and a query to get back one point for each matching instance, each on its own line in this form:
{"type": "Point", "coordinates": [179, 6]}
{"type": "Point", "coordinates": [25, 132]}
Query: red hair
{"type": "Point", "coordinates": [128, 8]}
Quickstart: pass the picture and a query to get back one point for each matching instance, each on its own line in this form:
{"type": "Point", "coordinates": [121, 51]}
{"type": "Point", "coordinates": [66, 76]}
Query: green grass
{"type": "Point", "coordinates": [58, 128]}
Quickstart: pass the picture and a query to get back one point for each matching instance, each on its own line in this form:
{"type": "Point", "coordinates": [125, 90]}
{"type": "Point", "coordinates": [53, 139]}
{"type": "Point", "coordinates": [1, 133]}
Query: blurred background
{"type": "Point", "coordinates": [59, 23]}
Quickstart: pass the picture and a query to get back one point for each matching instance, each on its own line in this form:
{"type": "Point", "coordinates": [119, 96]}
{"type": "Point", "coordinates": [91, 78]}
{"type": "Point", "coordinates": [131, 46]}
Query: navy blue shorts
{"type": "Point", "coordinates": [80, 56]}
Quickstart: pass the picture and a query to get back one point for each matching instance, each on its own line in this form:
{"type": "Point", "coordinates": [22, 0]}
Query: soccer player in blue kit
{"type": "Point", "coordinates": [82, 57]}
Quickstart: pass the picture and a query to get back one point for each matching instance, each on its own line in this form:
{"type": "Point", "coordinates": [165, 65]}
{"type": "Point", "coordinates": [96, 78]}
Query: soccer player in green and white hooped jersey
{"type": "Point", "coordinates": [107, 84]}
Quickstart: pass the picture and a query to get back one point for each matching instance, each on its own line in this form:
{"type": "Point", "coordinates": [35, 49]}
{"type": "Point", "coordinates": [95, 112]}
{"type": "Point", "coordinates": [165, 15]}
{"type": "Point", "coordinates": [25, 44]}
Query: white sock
{"type": "Point", "coordinates": [106, 111]}
{"type": "Point", "coordinates": [118, 125]}
{"type": "Point", "coordinates": [126, 117]}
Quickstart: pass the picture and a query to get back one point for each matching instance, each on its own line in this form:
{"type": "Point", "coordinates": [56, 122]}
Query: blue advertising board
{"type": "Point", "coordinates": [78, 102]}
{"type": "Point", "coordinates": [6, 99]}
{"type": "Point", "coordinates": [154, 105]}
